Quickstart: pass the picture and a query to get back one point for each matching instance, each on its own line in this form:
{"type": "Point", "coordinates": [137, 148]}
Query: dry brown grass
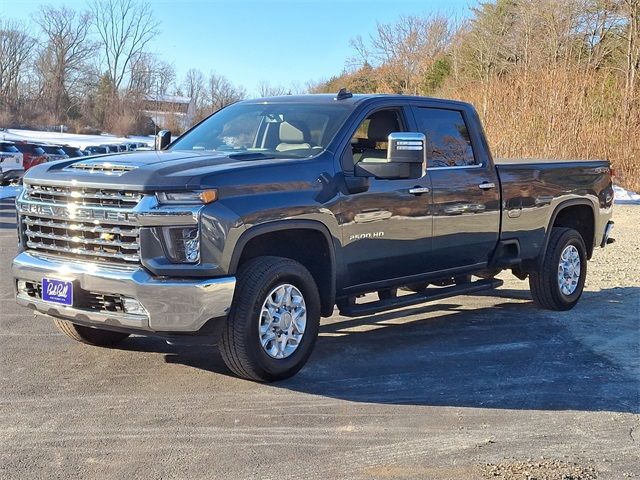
{"type": "Point", "coordinates": [565, 113]}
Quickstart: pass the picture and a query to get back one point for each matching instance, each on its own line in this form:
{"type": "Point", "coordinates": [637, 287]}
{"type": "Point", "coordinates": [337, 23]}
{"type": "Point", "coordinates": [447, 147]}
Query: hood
{"type": "Point", "coordinates": [142, 171]}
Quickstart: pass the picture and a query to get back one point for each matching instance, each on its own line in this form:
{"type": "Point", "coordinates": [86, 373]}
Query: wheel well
{"type": "Point", "coordinates": [307, 246]}
{"type": "Point", "coordinates": [580, 218]}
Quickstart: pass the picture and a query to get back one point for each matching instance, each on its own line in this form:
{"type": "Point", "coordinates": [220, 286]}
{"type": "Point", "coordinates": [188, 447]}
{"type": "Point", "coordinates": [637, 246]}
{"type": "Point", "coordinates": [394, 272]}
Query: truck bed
{"type": "Point", "coordinates": [533, 188]}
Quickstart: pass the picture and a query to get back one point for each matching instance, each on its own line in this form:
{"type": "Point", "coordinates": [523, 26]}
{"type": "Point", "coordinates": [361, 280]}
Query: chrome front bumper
{"type": "Point", "coordinates": [171, 305]}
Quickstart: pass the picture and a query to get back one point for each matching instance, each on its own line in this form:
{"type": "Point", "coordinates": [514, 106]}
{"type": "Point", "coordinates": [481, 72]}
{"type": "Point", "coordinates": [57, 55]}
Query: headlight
{"type": "Point", "coordinates": [187, 198]}
{"type": "Point", "coordinates": [182, 244]}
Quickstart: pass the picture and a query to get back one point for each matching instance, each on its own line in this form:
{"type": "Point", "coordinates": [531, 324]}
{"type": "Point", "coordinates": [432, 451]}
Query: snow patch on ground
{"type": "Point", "coordinates": [625, 197]}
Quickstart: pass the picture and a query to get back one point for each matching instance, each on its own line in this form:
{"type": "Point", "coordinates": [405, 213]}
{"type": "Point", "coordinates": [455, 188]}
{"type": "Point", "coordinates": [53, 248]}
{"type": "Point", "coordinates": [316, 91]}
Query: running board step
{"type": "Point", "coordinates": [370, 308]}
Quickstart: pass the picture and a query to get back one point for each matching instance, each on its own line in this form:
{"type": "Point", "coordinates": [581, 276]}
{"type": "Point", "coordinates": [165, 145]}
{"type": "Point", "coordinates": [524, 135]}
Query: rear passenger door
{"type": "Point", "coordinates": [466, 191]}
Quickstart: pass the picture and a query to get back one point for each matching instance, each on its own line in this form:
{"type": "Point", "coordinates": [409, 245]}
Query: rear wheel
{"type": "Point", "coordinates": [274, 320]}
{"type": "Point", "coordinates": [559, 282]}
{"type": "Point", "coordinates": [89, 335]}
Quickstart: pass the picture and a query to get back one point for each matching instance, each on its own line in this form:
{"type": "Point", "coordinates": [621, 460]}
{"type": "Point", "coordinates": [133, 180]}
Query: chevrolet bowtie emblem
{"type": "Point", "coordinates": [107, 236]}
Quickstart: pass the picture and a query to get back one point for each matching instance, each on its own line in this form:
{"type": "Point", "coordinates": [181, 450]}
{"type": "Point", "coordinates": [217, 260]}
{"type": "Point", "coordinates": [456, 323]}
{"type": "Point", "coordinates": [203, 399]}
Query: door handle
{"type": "Point", "coordinates": [419, 190]}
{"type": "Point", "coordinates": [487, 185]}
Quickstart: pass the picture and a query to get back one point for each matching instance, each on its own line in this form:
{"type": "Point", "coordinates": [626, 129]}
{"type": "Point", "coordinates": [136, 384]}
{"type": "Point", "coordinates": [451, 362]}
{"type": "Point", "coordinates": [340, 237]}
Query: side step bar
{"type": "Point", "coordinates": [370, 308]}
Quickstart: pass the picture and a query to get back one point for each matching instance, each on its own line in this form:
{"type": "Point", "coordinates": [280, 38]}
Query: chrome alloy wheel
{"type": "Point", "coordinates": [283, 318]}
{"type": "Point", "coordinates": [569, 270]}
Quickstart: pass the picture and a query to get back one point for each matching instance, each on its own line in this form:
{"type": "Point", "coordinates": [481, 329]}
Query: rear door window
{"type": "Point", "coordinates": [448, 140]}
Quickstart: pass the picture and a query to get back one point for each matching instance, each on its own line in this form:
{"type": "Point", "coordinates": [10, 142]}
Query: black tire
{"type": "Point", "coordinates": [240, 344]}
{"type": "Point", "coordinates": [543, 283]}
{"type": "Point", "coordinates": [88, 335]}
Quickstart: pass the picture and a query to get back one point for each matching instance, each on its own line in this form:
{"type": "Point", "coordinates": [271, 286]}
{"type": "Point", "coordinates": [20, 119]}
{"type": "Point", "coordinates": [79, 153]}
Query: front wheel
{"type": "Point", "coordinates": [274, 320]}
{"type": "Point", "coordinates": [559, 282]}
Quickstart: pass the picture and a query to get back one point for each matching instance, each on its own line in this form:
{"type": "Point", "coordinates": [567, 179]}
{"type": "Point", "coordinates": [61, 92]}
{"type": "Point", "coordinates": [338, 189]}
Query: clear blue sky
{"type": "Point", "coordinates": [248, 41]}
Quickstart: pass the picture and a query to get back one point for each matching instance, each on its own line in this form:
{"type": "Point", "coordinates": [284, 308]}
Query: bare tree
{"type": "Point", "coordinates": [221, 92]}
{"type": "Point", "coordinates": [265, 89]}
{"type": "Point", "coordinates": [194, 87]}
{"type": "Point", "coordinates": [16, 47]}
{"type": "Point", "coordinates": [632, 12]}
{"type": "Point", "coordinates": [405, 49]}
{"type": "Point", "coordinates": [64, 53]}
{"type": "Point", "coordinates": [150, 75]}
{"type": "Point", "coordinates": [125, 28]}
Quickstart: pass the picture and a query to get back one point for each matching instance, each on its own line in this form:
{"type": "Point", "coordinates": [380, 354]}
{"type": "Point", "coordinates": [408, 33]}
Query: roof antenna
{"type": "Point", "coordinates": [343, 94]}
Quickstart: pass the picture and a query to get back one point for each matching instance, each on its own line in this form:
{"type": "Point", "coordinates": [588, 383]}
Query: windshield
{"type": "Point", "coordinates": [290, 130]}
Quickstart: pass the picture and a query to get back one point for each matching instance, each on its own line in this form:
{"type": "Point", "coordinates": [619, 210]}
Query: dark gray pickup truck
{"type": "Point", "coordinates": [269, 213]}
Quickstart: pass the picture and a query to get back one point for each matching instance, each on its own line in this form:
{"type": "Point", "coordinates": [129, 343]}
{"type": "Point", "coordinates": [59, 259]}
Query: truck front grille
{"type": "Point", "coordinates": [86, 223]}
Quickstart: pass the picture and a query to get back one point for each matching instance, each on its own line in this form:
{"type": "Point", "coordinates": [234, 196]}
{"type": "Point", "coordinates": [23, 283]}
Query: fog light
{"type": "Point", "coordinates": [133, 306]}
{"type": "Point", "coordinates": [182, 244]}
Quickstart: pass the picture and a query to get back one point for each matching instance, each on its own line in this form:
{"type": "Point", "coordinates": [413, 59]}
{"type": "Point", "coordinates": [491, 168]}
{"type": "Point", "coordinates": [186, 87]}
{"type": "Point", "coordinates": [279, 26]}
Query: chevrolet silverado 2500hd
{"type": "Point", "coordinates": [269, 213]}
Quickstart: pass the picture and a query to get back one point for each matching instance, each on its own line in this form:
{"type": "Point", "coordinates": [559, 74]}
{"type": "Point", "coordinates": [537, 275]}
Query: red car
{"type": "Point", "coordinates": [32, 154]}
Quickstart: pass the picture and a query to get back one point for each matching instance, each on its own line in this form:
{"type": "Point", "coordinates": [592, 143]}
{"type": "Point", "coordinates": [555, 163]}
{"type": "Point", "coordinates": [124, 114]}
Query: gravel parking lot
{"type": "Point", "coordinates": [468, 387]}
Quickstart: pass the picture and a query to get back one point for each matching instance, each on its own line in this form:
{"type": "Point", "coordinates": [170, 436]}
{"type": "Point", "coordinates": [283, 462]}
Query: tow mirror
{"type": "Point", "coordinates": [163, 139]}
{"type": "Point", "coordinates": [406, 158]}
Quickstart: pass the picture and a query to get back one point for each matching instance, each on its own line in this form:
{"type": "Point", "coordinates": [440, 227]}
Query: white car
{"type": "Point", "coordinates": [11, 166]}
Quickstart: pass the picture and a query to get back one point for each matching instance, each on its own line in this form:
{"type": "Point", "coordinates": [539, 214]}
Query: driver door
{"type": "Point", "coordinates": [386, 231]}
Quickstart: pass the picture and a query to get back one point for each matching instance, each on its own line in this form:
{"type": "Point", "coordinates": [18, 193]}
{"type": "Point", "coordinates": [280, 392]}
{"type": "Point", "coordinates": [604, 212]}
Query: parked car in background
{"type": "Point", "coordinates": [11, 168]}
{"type": "Point", "coordinates": [32, 154]}
{"type": "Point", "coordinates": [54, 152]}
{"type": "Point", "coordinates": [72, 152]}
{"type": "Point", "coordinates": [96, 150]}
{"type": "Point", "coordinates": [113, 148]}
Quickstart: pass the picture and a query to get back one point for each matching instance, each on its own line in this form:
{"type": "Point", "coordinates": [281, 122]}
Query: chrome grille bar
{"type": "Point", "coordinates": [82, 196]}
{"type": "Point", "coordinates": [80, 240]}
{"type": "Point", "coordinates": [94, 254]}
{"type": "Point", "coordinates": [81, 227]}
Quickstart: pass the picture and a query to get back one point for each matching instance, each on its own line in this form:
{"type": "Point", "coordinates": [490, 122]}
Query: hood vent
{"type": "Point", "coordinates": [100, 166]}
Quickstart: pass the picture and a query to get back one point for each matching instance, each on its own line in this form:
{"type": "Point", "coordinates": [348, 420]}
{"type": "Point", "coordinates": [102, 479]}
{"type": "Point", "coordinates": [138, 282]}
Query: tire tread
{"type": "Point", "coordinates": [543, 282]}
{"type": "Point", "coordinates": [251, 276]}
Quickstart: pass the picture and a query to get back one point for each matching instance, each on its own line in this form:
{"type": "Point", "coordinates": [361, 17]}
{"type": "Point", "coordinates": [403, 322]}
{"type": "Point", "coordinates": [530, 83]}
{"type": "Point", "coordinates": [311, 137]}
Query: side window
{"type": "Point", "coordinates": [448, 141]}
{"type": "Point", "coordinates": [369, 142]}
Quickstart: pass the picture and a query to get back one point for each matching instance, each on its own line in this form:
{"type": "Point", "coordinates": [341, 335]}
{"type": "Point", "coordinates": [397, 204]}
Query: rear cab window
{"type": "Point", "coordinates": [448, 140]}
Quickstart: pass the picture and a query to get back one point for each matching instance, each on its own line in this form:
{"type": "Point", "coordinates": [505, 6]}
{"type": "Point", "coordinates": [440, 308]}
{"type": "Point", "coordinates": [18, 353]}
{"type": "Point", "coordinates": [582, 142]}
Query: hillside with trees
{"type": "Point", "coordinates": [550, 78]}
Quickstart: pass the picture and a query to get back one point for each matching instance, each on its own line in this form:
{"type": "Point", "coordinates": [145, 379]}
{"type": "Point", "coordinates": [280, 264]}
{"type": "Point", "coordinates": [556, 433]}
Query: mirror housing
{"type": "Point", "coordinates": [163, 139]}
{"type": "Point", "coordinates": [406, 158]}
